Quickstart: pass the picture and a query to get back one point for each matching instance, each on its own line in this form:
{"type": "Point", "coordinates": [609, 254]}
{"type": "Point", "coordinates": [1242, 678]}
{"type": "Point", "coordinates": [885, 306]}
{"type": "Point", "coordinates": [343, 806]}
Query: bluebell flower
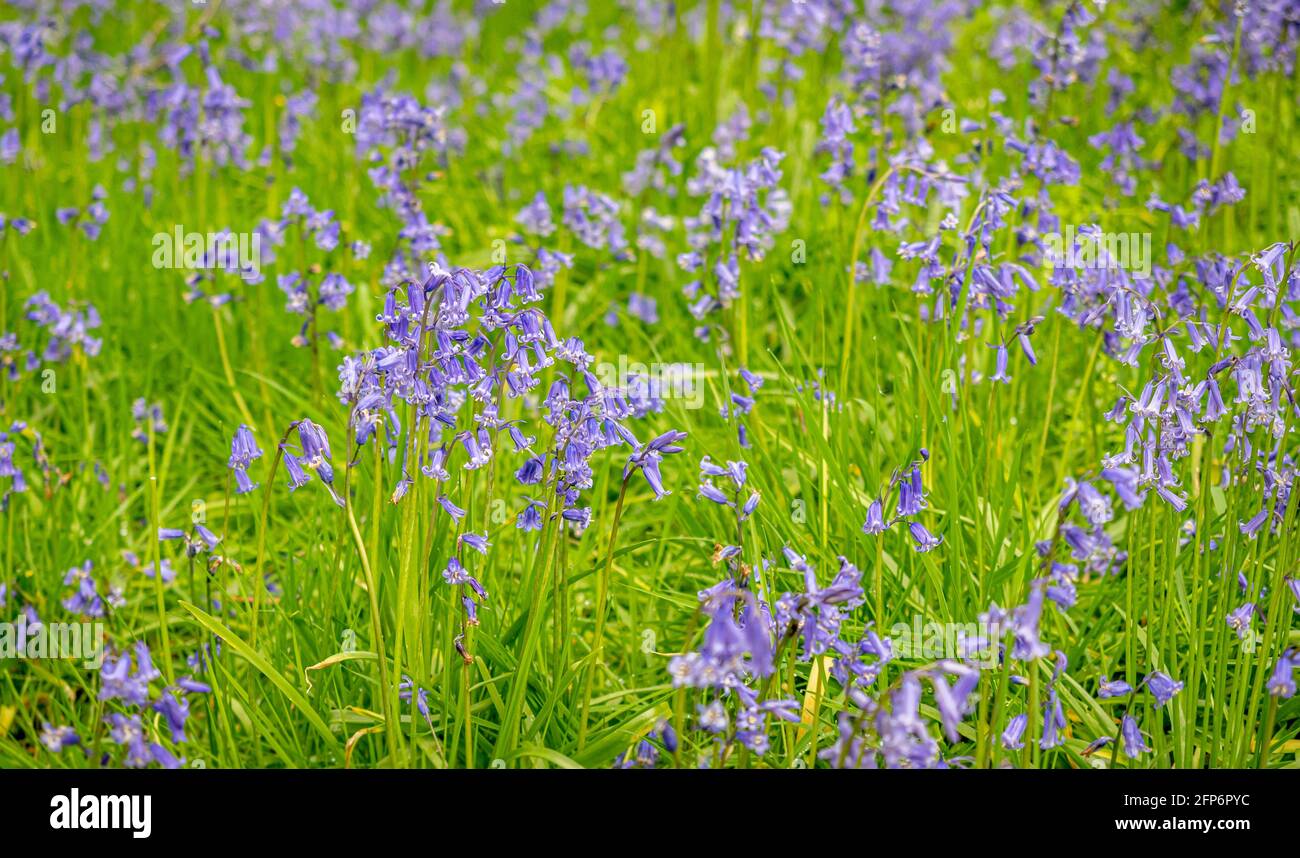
{"type": "Point", "coordinates": [579, 517]}
{"type": "Point", "coordinates": [952, 699]}
{"type": "Point", "coordinates": [735, 643]}
{"type": "Point", "coordinates": [140, 751]}
{"type": "Point", "coordinates": [119, 682]}
{"type": "Point", "coordinates": [451, 509]}
{"type": "Point", "coordinates": [1108, 689]}
{"type": "Point", "coordinates": [314, 459]}
{"type": "Point", "coordinates": [1000, 371]}
{"type": "Point", "coordinates": [1053, 722]}
{"type": "Point", "coordinates": [455, 573]}
{"type": "Point", "coordinates": [724, 553]}
{"type": "Point", "coordinates": [1134, 744]}
{"type": "Point", "coordinates": [176, 710]}
{"type": "Point", "coordinates": [243, 451]}
{"type": "Point", "coordinates": [647, 458]}
{"type": "Point", "coordinates": [668, 736]}
{"type": "Point", "coordinates": [196, 543]}
{"type": "Point", "coordinates": [405, 689]}
{"type": "Point", "coordinates": [85, 599]}
{"type": "Point", "coordinates": [911, 494]}
{"type": "Point", "coordinates": [1025, 620]}
{"type": "Point", "coordinates": [1282, 682]}
{"type": "Point", "coordinates": [530, 518]}
{"type": "Point", "coordinates": [192, 685]}
{"type": "Point", "coordinates": [459, 643]}
{"type": "Point", "coordinates": [713, 717]}
{"type": "Point", "coordinates": [1239, 620]}
{"type": "Point", "coordinates": [168, 570]}
{"type": "Point", "coordinates": [875, 522]}
{"type": "Point", "coordinates": [925, 541]}
{"type": "Point", "coordinates": [531, 471]}
{"type": "Point", "coordinates": [710, 492]}
{"type": "Point", "coordinates": [55, 739]}
{"type": "Point", "coordinates": [478, 543]}
{"type": "Point", "coordinates": [1162, 687]}
{"type": "Point", "coordinates": [297, 476]}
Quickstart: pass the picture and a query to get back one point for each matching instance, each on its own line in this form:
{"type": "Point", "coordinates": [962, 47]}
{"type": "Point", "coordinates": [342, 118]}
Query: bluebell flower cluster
{"type": "Point", "coordinates": [128, 682]}
{"type": "Point", "coordinates": [56, 334]}
{"type": "Point", "coordinates": [484, 419]}
{"type": "Point", "coordinates": [910, 502]}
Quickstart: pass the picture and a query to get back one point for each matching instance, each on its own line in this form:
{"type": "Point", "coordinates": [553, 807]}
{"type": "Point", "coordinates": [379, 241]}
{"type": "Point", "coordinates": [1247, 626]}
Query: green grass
{"type": "Point", "coordinates": [290, 690]}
